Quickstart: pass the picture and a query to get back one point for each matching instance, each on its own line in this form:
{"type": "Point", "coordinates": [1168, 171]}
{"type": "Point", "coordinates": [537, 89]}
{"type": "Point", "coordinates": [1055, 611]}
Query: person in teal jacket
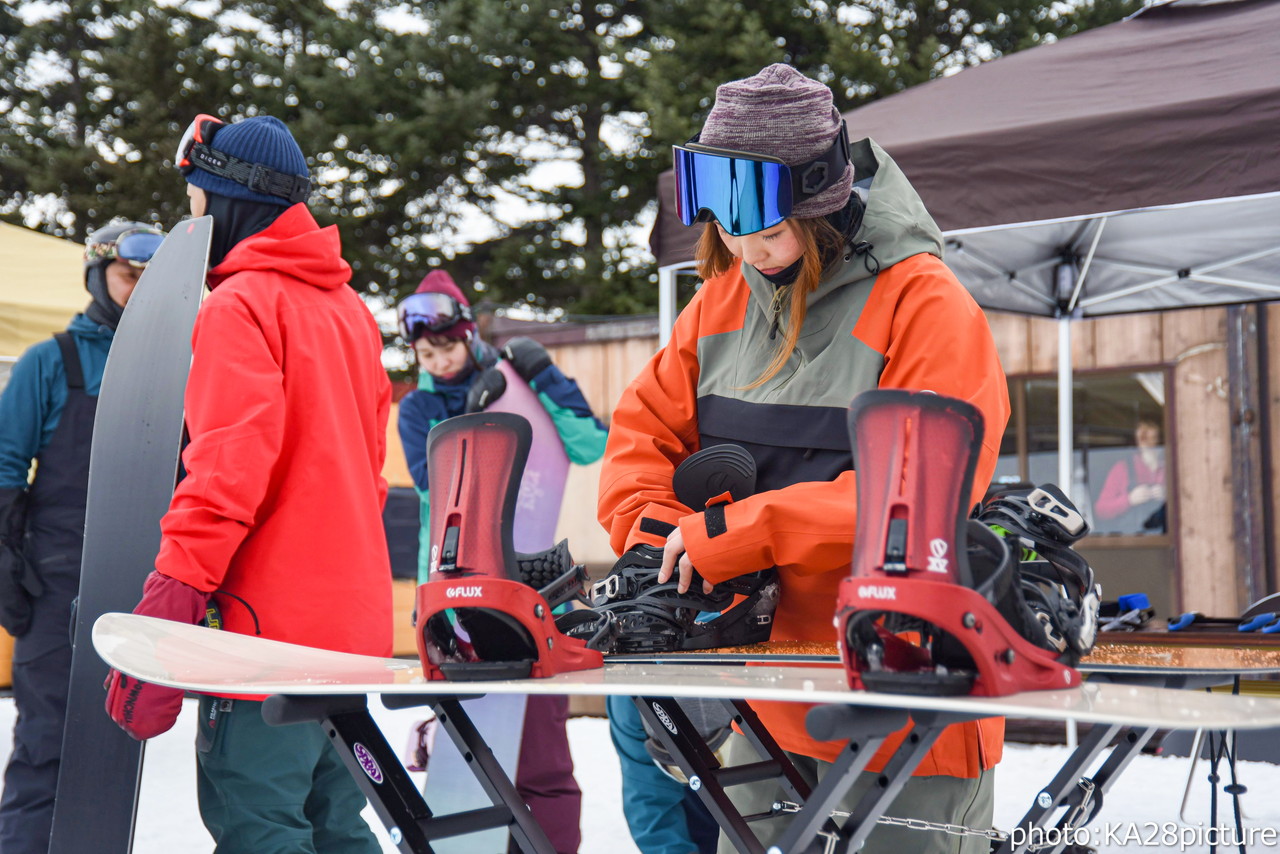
{"type": "Point", "coordinates": [436, 321]}
{"type": "Point", "coordinates": [453, 360]}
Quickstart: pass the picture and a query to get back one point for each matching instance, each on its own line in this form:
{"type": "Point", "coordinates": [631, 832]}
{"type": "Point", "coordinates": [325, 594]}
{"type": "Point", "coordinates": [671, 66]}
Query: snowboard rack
{"type": "Point", "coordinates": [478, 616]}
{"type": "Point", "coordinates": [914, 617]}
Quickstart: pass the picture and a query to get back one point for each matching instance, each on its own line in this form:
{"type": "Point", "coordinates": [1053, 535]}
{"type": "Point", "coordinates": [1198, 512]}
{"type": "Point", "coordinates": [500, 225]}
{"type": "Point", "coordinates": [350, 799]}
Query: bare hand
{"type": "Point", "coordinates": [673, 556]}
{"type": "Point", "coordinates": [1144, 493]}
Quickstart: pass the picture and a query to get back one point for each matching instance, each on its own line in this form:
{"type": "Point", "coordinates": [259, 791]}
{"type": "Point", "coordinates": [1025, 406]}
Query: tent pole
{"type": "Point", "coordinates": [666, 302]}
{"type": "Point", "coordinates": [1065, 450]}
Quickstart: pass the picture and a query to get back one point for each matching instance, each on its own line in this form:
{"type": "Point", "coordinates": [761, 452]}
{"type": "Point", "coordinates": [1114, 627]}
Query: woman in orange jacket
{"type": "Point", "coordinates": [820, 281]}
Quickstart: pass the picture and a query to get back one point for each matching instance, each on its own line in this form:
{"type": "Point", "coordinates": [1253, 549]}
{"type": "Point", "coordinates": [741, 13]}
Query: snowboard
{"type": "Point", "coordinates": [542, 484]}
{"type": "Point", "coordinates": [1111, 655]}
{"type": "Point", "coordinates": [450, 786]}
{"type": "Point", "coordinates": [133, 465]}
{"type": "Point", "coordinates": [204, 660]}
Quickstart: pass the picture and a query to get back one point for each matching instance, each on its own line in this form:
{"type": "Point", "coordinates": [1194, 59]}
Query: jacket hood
{"type": "Point", "coordinates": [295, 245]}
{"type": "Point", "coordinates": [82, 325]}
{"type": "Point", "coordinates": [894, 227]}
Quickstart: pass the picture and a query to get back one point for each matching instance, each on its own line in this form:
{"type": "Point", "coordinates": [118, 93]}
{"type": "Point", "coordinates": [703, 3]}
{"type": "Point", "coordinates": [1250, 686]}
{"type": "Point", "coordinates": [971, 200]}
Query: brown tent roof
{"type": "Point", "coordinates": [1179, 103]}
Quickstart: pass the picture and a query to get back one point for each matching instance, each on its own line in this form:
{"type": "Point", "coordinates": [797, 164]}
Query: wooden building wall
{"type": "Point", "coordinates": [1193, 344]}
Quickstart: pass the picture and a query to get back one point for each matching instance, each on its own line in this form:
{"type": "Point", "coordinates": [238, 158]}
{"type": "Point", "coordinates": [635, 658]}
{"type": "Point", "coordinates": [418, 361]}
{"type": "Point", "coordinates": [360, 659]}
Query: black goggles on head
{"type": "Point", "coordinates": [421, 314]}
{"type": "Point", "coordinates": [196, 151]}
{"type": "Point", "coordinates": [136, 246]}
{"type": "Point", "coordinates": [747, 192]}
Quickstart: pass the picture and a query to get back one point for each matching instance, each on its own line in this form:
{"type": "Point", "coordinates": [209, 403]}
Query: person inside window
{"type": "Point", "coordinates": [1132, 500]}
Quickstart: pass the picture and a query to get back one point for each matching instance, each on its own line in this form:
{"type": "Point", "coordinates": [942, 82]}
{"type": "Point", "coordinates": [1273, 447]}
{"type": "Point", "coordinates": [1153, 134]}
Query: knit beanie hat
{"type": "Point", "coordinates": [440, 282]}
{"type": "Point", "coordinates": [262, 140]}
{"type": "Point", "coordinates": [780, 113]}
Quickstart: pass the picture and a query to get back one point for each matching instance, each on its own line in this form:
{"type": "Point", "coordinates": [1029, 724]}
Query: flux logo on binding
{"type": "Point", "coordinates": [462, 592]}
{"type": "Point", "coordinates": [868, 591]}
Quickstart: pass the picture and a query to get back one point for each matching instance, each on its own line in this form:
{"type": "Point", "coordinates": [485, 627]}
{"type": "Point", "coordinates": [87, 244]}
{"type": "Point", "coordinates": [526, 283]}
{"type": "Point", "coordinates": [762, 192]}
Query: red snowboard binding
{"type": "Point", "coordinates": [477, 619]}
{"type": "Point", "coordinates": [922, 569]}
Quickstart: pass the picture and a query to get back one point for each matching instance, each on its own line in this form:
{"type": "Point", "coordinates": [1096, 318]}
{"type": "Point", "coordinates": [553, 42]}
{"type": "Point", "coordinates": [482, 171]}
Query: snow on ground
{"type": "Point", "coordinates": [1140, 813]}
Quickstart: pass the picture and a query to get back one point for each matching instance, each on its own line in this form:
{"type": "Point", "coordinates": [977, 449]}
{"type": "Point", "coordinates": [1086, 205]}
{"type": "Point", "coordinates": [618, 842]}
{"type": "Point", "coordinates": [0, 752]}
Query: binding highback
{"type": "Point", "coordinates": [477, 619]}
{"type": "Point", "coordinates": [918, 613]}
{"type": "Point", "coordinates": [915, 460]}
{"type": "Point", "coordinates": [474, 464]}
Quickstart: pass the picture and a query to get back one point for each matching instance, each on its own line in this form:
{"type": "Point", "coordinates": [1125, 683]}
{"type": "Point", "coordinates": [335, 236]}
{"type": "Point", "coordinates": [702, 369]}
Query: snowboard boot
{"type": "Point", "coordinates": [478, 616]}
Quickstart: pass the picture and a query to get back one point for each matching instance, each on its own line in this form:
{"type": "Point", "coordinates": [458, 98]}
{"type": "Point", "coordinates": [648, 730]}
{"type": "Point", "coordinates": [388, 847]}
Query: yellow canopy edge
{"type": "Point", "coordinates": [41, 286]}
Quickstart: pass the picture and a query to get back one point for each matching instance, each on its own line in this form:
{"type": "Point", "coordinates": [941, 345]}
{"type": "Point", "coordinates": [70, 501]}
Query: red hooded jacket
{"type": "Point", "coordinates": [287, 406]}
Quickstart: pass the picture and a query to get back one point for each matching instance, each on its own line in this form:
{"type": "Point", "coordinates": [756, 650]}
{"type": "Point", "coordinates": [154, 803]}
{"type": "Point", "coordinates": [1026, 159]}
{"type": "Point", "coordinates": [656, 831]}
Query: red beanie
{"type": "Point", "coordinates": [440, 282]}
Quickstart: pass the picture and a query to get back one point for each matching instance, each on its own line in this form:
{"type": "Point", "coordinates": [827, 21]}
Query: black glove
{"type": "Point", "coordinates": [487, 388]}
{"type": "Point", "coordinates": [527, 356]}
{"type": "Point", "coordinates": [19, 584]}
{"type": "Point", "coordinates": [13, 516]}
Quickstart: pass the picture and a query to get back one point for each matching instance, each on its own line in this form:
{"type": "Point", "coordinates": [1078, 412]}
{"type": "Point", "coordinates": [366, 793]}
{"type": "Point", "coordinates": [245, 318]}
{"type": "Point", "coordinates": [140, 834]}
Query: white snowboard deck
{"type": "Point", "coordinates": [209, 661]}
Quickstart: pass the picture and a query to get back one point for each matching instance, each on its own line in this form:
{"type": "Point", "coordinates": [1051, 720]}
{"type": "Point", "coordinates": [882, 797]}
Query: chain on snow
{"type": "Point", "coordinates": [940, 827]}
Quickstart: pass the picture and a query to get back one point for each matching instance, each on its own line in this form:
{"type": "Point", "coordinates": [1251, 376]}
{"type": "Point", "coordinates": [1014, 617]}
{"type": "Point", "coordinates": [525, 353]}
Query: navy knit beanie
{"type": "Point", "coordinates": [261, 139]}
{"type": "Point", "coordinates": [780, 113]}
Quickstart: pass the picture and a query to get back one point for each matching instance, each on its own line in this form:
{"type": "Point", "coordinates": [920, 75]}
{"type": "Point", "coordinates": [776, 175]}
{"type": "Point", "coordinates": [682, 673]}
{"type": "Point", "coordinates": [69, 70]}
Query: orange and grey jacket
{"type": "Point", "coordinates": [889, 316]}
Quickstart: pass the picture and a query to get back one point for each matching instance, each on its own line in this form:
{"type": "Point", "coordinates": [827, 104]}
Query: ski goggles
{"type": "Point", "coordinates": [195, 150]}
{"type": "Point", "coordinates": [747, 192]}
{"type": "Point", "coordinates": [136, 246]}
{"type": "Point", "coordinates": [430, 312]}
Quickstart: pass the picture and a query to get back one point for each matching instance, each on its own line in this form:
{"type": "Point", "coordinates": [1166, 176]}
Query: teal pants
{"type": "Point", "coordinates": [952, 800]}
{"type": "Point", "coordinates": [274, 790]}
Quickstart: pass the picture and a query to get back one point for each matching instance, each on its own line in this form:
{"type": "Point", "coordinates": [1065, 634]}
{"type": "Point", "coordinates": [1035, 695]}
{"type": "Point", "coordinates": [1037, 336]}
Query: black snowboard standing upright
{"type": "Point", "coordinates": [133, 464]}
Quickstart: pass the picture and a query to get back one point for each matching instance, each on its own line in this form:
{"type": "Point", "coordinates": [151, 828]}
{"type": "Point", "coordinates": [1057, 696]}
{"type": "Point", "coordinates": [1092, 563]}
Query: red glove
{"type": "Point", "coordinates": [141, 709]}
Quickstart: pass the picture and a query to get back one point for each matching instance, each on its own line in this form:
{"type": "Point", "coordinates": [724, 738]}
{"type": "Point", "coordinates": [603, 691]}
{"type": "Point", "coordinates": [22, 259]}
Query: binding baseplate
{"type": "Point", "coordinates": [632, 613]}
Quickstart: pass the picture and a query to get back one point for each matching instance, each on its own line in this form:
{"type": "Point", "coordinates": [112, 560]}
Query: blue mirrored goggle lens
{"type": "Point", "coordinates": [745, 196]}
{"type": "Point", "coordinates": [139, 247]}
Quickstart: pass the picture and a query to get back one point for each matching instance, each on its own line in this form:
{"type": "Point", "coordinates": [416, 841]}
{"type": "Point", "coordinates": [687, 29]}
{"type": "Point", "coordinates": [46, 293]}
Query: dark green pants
{"type": "Point", "coordinates": [953, 800]}
{"type": "Point", "coordinates": [274, 790]}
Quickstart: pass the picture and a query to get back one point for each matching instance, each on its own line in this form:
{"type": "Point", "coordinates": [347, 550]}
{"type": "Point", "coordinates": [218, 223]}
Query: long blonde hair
{"type": "Point", "coordinates": [818, 240]}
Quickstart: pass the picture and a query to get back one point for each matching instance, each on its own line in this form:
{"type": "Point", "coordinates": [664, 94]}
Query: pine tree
{"type": "Point", "coordinates": [517, 143]}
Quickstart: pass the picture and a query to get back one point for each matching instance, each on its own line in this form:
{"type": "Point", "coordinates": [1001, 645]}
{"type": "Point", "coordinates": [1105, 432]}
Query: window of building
{"type": "Point", "coordinates": [1120, 456]}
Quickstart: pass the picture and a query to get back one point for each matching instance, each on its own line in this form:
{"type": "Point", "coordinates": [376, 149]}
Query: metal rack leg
{"type": "Point", "coordinates": [391, 792]}
{"type": "Point", "coordinates": [1065, 789]}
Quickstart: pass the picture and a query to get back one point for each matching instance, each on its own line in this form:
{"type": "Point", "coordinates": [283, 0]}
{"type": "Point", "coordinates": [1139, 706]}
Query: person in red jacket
{"type": "Point", "coordinates": [1132, 500]}
{"type": "Point", "coordinates": [809, 297]}
{"type": "Point", "coordinates": [278, 519]}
